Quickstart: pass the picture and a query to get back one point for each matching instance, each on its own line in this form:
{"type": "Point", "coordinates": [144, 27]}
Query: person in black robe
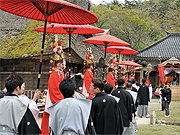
{"type": "Point", "coordinates": [167, 98]}
{"type": "Point", "coordinates": [143, 97]}
{"type": "Point", "coordinates": [16, 117]}
{"type": "Point", "coordinates": [105, 112]}
{"type": "Point", "coordinates": [162, 89]}
{"type": "Point", "coordinates": [126, 105]}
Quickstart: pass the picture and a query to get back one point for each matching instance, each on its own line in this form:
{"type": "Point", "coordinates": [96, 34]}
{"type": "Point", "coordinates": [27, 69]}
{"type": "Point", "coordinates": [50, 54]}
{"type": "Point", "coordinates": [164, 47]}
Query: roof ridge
{"type": "Point", "coordinates": [144, 49]}
{"type": "Point", "coordinates": [168, 35]}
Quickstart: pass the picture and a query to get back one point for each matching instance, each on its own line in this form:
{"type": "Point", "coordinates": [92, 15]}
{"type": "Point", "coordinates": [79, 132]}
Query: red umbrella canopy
{"type": "Point", "coordinates": [67, 28]}
{"type": "Point", "coordinates": [57, 11]}
{"type": "Point", "coordinates": [120, 50]}
{"type": "Point", "coordinates": [106, 40]}
{"type": "Point", "coordinates": [128, 63]}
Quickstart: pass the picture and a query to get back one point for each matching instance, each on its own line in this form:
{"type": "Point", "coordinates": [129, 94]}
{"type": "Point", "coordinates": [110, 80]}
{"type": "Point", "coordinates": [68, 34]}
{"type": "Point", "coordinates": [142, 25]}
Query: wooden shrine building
{"type": "Point", "coordinates": [165, 51]}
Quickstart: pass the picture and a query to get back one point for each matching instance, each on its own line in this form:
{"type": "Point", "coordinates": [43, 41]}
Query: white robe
{"type": "Point", "coordinates": [11, 117]}
{"type": "Point", "coordinates": [31, 104]}
{"type": "Point", "coordinates": [70, 114]}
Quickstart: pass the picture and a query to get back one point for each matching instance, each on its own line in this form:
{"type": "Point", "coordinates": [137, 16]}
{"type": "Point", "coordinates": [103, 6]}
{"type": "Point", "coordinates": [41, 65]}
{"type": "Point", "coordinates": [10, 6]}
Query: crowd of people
{"type": "Point", "coordinates": [109, 107]}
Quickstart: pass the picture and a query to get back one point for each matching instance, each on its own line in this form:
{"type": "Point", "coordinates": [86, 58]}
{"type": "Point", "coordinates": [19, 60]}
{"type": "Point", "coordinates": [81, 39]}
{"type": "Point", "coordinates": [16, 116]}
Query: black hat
{"type": "Point", "coordinates": [162, 86]}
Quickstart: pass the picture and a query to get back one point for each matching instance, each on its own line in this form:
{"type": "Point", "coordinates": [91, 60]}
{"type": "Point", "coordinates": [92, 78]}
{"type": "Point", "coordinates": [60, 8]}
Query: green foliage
{"type": "Point", "coordinates": [171, 21]}
{"type": "Point", "coordinates": [27, 43]}
{"type": "Point", "coordinates": [127, 24]}
{"type": "Point", "coordinates": [139, 23]}
{"type": "Point", "coordinates": [177, 3]}
{"type": "Point", "coordinates": [104, 15]}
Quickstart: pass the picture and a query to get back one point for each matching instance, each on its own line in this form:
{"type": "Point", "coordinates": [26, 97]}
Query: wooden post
{"type": "Point", "coordinates": [156, 75]}
{"type": "Point", "coordinates": [179, 80]}
{"type": "Point", "coordinates": [159, 82]}
{"type": "Point", "coordinates": [140, 75]}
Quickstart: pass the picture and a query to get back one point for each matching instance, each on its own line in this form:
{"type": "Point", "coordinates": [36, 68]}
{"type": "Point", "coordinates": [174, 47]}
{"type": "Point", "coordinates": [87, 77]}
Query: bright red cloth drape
{"type": "Point", "coordinates": [110, 79]}
{"type": "Point", "coordinates": [87, 84]}
{"type": "Point", "coordinates": [147, 81]}
{"type": "Point", "coordinates": [53, 86]}
{"type": "Point", "coordinates": [161, 73]}
{"type": "Point", "coordinates": [55, 95]}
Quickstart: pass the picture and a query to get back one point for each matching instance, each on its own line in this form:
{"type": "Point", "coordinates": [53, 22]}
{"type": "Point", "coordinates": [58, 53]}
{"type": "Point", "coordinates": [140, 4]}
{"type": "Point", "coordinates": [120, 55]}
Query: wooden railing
{"type": "Point", "coordinates": [29, 93]}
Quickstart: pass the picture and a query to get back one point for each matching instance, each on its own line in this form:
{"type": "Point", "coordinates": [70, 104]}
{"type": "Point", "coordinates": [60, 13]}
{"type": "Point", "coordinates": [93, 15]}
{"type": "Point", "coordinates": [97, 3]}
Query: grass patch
{"type": "Point", "coordinates": [158, 130]}
{"type": "Point", "coordinates": [162, 129]}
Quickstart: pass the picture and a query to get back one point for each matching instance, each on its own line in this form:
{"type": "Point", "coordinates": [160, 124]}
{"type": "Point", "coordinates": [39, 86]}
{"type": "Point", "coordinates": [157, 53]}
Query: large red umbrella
{"type": "Point", "coordinates": [57, 11]}
{"type": "Point", "coordinates": [106, 40]}
{"type": "Point", "coordinates": [128, 63]}
{"type": "Point", "coordinates": [69, 29]}
{"type": "Point", "coordinates": [120, 50]}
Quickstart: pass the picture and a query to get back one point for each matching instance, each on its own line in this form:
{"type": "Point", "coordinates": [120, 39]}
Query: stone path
{"type": "Point", "coordinates": [140, 121]}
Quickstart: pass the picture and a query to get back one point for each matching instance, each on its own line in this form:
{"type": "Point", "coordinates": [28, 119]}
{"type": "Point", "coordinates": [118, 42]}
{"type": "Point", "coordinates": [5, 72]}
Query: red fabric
{"type": "Point", "coordinates": [55, 95]}
{"type": "Point", "coordinates": [106, 40]}
{"type": "Point", "coordinates": [65, 29]}
{"type": "Point", "coordinates": [110, 79]}
{"type": "Point", "coordinates": [45, 124]}
{"type": "Point", "coordinates": [122, 49]}
{"type": "Point", "coordinates": [59, 11]}
{"type": "Point", "coordinates": [53, 86]}
{"type": "Point", "coordinates": [129, 63]}
{"type": "Point", "coordinates": [125, 80]}
{"type": "Point", "coordinates": [147, 82]}
{"type": "Point", "coordinates": [87, 83]}
{"type": "Point", "coordinates": [131, 76]}
{"type": "Point", "coordinates": [161, 73]}
{"type": "Point", "coordinates": [156, 93]}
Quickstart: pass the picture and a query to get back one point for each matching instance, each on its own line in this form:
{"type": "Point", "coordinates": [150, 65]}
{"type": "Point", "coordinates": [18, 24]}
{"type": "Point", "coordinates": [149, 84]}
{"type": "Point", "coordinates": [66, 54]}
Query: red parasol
{"type": "Point", "coordinates": [128, 63]}
{"type": "Point", "coordinates": [120, 50]}
{"type": "Point", "coordinates": [69, 29]}
{"type": "Point", "coordinates": [57, 11]}
{"type": "Point", "coordinates": [106, 40]}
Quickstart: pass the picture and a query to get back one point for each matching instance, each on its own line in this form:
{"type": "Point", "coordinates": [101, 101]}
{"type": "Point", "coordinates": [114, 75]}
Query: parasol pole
{"type": "Point", "coordinates": [106, 43]}
{"type": "Point", "coordinates": [69, 31]}
{"type": "Point", "coordinates": [119, 50]}
{"type": "Point", "coordinates": [41, 59]}
{"type": "Point", "coordinates": [69, 55]}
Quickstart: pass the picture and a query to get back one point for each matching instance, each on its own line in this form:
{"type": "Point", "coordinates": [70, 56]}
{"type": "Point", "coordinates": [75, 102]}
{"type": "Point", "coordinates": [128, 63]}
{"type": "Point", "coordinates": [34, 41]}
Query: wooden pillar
{"type": "Point", "coordinates": [14, 66]}
{"type": "Point", "coordinates": [140, 75]}
{"type": "Point", "coordinates": [156, 75]}
{"type": "Point", "coordinates": [159, 81]}
{"type": "Point", "coordinates": [34, 66]}
{"type": "Point", "coordinates": [179, 80]}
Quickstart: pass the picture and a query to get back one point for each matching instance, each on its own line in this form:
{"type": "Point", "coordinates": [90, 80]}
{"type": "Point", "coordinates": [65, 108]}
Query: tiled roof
{"type": "Point", "coordinates": [167, 47]}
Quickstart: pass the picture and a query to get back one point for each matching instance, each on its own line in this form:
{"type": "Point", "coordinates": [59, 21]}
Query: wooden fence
{"type": "Point", "coordinates": [175, 91]}
{"type": "Point", "coordinates": [29, 93]}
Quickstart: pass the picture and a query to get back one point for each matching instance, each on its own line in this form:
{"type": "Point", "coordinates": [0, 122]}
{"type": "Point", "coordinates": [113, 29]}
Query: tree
{"type": "Point", "coordinates": [104, 15]}
{"type": "Point", "coordinates": [171, 21]}
{"type": "Point", "coordinates": [131, 26]}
